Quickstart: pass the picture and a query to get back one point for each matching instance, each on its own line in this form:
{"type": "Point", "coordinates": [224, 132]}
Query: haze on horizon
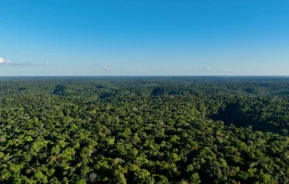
{"type": "Point", "coordinates": [144, 38]}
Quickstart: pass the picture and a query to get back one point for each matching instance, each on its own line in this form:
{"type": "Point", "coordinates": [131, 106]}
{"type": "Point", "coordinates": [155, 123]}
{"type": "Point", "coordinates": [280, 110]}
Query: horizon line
{"type": "Point", "coordinates": [145, 76]}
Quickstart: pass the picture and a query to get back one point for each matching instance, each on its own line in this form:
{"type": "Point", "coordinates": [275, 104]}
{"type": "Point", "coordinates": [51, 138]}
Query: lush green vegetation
{"type": "Point", "coordinates": [144, 130]}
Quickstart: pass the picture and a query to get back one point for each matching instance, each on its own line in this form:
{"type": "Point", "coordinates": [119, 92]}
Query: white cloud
{"type": "Point", "coordinates": [103, 68]}
{"type": "Point", "coordinates": [1, 60]}
{"type": "Point", "coordinates": [10, 63]}
{"type": "Point", "coordinates": [106, 69]}
{"type": "Point", "coordinates": [206, 69]}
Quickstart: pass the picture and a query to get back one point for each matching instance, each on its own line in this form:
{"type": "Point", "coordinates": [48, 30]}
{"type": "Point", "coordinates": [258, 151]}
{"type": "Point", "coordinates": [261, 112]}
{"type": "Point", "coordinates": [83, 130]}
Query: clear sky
{"type": "Point", "coordinates": [144, 37]}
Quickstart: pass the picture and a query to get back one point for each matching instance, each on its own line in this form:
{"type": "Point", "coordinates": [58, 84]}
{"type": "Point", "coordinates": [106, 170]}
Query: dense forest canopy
{"type": "Point", "coordinates": [144, 130]}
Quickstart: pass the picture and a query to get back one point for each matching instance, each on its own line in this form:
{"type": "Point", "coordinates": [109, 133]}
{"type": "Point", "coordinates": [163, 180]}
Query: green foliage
{"type": "Point", "coordinates": [144, 130]}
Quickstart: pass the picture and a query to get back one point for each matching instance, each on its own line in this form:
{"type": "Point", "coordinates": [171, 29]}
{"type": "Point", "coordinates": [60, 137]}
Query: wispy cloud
{"type": "Point", "coordinates": [206, 69]}
{"type": "Point", "coordinates": [104, 68]}
{"type": "Point", "coordinates": [4, 62]}
{"type": "Point", "coordinates": [212, 70]}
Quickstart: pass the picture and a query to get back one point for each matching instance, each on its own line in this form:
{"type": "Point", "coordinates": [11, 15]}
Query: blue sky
{"type": "Point", "coordinates": [148, 37]}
